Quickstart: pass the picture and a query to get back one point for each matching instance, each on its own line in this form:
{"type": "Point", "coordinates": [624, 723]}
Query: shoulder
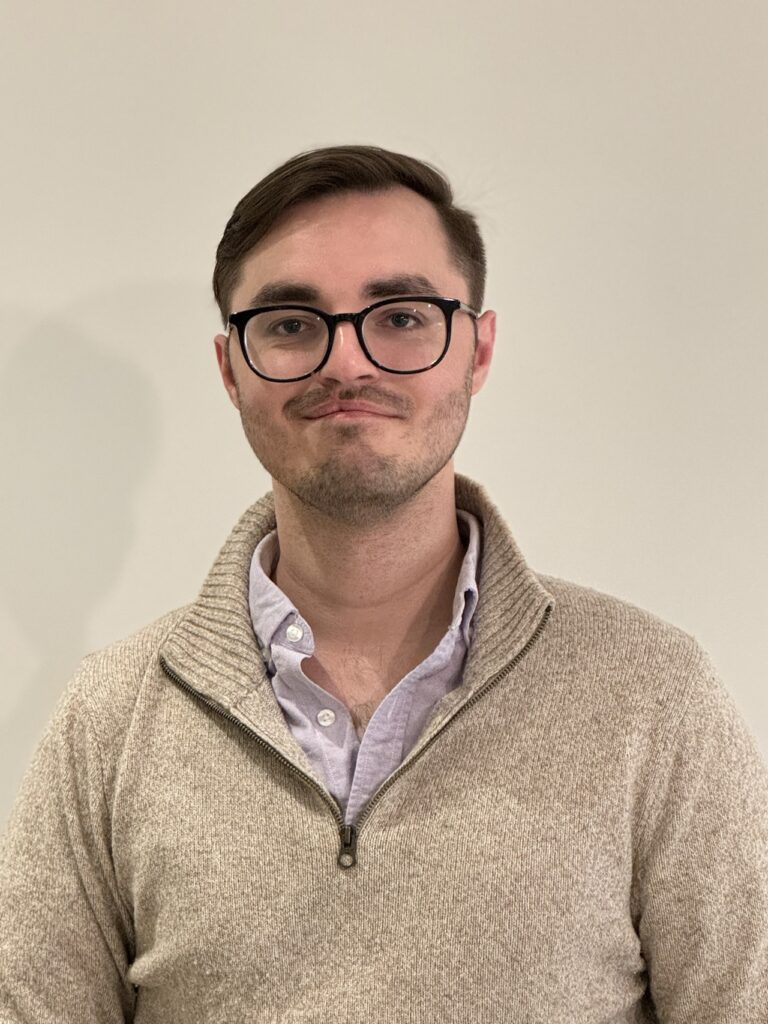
{"type": "Point", "coordinates": [624, 650]}
{"type": "Point", "coordinates": [120, 667]}
{"type": "Point", "coordinates": [109, 682]}
{"type": "Point", "coordinates": [593, 614]}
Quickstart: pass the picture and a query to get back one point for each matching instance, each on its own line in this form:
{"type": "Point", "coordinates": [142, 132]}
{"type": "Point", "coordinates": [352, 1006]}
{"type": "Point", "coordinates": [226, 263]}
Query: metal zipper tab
{"type": "Point", "coordinates": [348, 852]}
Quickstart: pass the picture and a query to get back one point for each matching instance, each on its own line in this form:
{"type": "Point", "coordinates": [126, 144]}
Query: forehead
{"type": "Point", "coordinates": [342, 241]}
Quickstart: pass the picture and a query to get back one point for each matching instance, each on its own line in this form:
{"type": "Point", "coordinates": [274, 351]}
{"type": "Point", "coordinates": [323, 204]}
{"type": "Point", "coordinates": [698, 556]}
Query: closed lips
{"type": "Point", "coordinates": [329, 410]}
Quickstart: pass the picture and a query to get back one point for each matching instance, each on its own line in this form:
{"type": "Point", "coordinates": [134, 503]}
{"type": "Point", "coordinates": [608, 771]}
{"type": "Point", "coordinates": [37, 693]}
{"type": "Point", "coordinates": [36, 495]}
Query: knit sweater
{"type": "Point", "coordinates": [579, 835]}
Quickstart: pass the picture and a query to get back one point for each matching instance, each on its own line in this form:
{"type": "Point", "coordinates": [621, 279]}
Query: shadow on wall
{"type": "Point", "coordinates": [70, 413]}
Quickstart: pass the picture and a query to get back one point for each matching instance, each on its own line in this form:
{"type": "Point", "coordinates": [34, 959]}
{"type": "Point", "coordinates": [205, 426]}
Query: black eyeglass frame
{"type": "Point", "coordinates": [448, 306]}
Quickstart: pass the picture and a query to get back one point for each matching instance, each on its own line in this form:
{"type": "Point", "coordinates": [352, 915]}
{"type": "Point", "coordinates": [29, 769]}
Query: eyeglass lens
{"type": "Point", "coordinates": [287, 342]}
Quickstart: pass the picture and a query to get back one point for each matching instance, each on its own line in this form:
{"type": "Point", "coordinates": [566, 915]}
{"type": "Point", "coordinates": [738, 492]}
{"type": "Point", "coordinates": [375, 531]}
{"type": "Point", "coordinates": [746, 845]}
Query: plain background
{"type": "Point", "coordinates": [616, 154]}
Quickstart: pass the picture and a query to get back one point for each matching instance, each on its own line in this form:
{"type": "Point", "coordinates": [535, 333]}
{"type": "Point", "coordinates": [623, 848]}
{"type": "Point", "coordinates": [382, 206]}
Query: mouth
{"type": "Point", "coordinates": [354, 414]}
{"type": "Point", "coordinates": [350, 411]}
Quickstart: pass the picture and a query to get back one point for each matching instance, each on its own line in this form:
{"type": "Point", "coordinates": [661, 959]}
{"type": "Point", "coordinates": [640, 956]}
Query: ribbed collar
{"type": "Point", "coordinates": [214, 650]}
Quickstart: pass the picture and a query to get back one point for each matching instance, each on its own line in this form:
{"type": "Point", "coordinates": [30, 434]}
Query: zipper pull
{"type": "Point", "coordinates": [348, 852]}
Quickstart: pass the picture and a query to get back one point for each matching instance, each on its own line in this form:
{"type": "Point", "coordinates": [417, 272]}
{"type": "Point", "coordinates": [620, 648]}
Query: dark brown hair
{"type": "Point", "coordinates": [336, 169]}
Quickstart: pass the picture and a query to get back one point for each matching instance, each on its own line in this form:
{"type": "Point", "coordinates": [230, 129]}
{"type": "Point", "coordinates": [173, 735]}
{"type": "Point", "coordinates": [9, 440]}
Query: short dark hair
{"type": "Point", "coordinates": [338, 169]}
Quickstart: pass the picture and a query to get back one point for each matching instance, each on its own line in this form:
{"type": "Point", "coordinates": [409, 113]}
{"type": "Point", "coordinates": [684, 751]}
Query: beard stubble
{"type": "Point", "coordinates": [354, 484]}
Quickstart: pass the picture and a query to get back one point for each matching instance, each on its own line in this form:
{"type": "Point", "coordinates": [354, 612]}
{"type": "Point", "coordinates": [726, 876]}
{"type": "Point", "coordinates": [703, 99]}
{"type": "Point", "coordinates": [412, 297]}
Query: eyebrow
{"type": "Point", "coordinates": [378, 288]}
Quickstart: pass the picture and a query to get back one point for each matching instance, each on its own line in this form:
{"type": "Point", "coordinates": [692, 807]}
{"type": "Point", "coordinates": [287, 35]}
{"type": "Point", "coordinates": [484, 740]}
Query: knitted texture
{"type": "Point", "coordinates": [579, 835]}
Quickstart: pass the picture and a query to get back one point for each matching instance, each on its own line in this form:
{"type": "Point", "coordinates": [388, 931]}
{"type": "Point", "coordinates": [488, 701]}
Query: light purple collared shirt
{"type": "Point", "coordinates": [354, 767]}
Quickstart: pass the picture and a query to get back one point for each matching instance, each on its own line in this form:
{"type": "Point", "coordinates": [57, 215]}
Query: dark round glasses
{"type": "Point", "coordinates": [403, 335]}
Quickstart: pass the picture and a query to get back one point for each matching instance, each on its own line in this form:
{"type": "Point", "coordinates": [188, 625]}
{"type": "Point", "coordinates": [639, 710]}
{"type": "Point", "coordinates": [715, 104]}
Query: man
{"type": "Point", "coordinates": [380, 769]}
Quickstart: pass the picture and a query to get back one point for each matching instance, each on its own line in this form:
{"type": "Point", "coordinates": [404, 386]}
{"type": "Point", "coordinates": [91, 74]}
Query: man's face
{"type": "Point", "coordinates": [340, 254]}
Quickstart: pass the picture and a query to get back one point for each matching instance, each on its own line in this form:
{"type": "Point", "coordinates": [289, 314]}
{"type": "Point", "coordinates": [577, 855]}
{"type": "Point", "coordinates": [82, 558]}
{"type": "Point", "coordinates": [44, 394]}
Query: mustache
{"type": "Point", "coordinates": [305, 405]}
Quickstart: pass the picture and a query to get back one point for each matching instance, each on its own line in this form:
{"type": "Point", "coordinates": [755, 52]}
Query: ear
{"type": "Point", "coordinates": [221, 342]}
{"type": "Point", "coordinates": [486, 338]}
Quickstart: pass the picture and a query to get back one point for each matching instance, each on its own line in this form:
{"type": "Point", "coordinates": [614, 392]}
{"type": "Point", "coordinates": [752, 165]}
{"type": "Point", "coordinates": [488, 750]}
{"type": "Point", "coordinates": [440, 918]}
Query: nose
{"type": "Point", "coordinates": [347, 360]}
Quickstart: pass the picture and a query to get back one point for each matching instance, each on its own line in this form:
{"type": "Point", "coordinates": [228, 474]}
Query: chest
{"type": "Point", "coordinates": [360, 682]}
{"type": "Point", "coordinates": [493, 877]}
{"type": "Point", "coordinates": [493, 880]}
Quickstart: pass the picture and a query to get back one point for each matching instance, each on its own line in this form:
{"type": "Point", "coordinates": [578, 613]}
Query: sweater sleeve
{"type": "Point", "coordinates": [703, 866]}
{"type": "Point", "coordinates": [64, 935]}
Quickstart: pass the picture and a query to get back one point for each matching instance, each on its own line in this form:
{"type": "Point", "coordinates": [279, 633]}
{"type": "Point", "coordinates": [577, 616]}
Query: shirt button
{"type": "Point", "coordinates": [294, 633]}
{"type": "Point", "coordinates": [326, 717]}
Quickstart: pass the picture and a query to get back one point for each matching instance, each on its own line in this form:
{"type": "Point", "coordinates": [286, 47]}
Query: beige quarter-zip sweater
{"type": "Point", "coordinates": [580, 834]}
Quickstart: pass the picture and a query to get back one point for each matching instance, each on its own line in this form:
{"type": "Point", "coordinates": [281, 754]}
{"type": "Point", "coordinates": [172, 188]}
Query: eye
{"type": "Point", "coordinates": [289, 326]}
{"type": "Point", "coordinates": [402, 319]}
{"type": "Point", "coordinates": [284, 328]}
{"type": "Point", "coordinates": [298, 326]}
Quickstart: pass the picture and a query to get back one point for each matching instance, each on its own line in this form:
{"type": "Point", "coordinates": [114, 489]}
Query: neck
{"type": "Point", "coordinates": [383, 585]}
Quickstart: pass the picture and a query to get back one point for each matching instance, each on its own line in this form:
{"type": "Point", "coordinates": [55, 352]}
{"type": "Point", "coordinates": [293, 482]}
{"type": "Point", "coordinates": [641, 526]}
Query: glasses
{"type": "Point", "coordinates": [403, 335]}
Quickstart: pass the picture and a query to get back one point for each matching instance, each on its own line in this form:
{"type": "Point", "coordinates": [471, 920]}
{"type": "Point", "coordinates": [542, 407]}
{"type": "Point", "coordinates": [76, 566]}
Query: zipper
{"type": "Point", "coordinates": [349, 834]}
{"type": "Point", "coordinates": [348, 851]}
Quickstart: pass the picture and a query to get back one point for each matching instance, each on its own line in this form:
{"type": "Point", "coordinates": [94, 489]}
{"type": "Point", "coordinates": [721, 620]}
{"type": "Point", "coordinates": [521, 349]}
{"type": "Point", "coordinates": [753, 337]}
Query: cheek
{"type": "Point", "coordinates": [264, 409]}
{"type": "Point", "coordinates": [456, 379]}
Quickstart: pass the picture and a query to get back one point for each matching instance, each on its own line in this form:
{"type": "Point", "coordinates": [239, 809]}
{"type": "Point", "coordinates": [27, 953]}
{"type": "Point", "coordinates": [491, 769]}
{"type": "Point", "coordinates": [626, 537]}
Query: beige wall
{"type": "Point", "coordinates": [616, 154]}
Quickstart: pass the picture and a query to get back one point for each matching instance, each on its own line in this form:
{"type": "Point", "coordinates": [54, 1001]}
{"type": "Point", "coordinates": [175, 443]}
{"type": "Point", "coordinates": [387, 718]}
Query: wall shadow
{"type": "Point", "coordinates": [80, 426]}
